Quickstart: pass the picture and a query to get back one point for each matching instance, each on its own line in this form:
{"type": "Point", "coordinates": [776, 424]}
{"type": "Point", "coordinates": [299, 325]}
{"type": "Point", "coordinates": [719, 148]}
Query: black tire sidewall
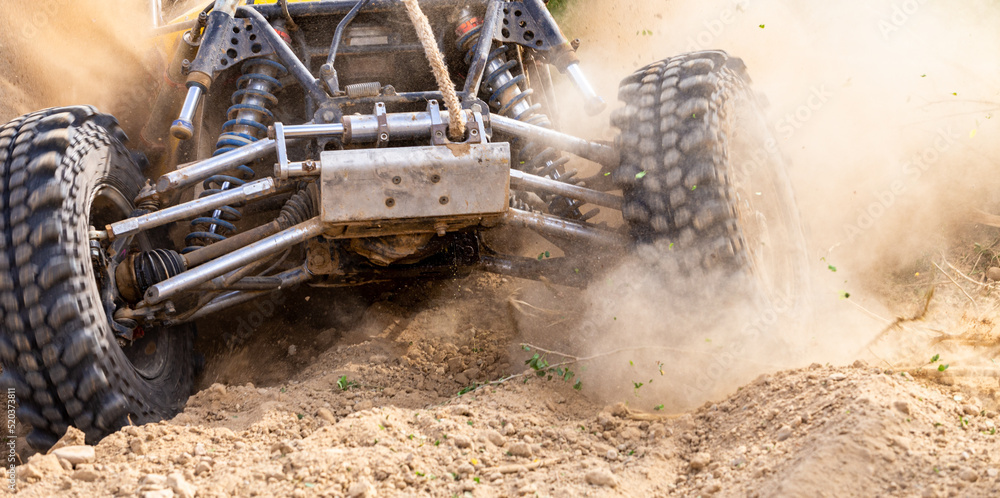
{"type": "Point", "coordinates": [59, 349]}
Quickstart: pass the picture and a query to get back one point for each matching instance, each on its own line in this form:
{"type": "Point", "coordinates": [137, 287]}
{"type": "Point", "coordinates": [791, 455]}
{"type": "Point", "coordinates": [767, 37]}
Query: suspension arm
{"type": "Point", "coordinates": [287, 279]}
{"type": "Point", "coordinates": [250, 191]}
{"type": "Point", "coordinates": [195, 172]}
{"type": "Point", "coordinates": [526, 181]}
{"type": "Point", "coordinates": [265, 247]}
{"type": "Point", "coordinates": [561, 228]}
{"type": "Point", "coordinates": [561, 271]}
{"type": "Point", "coordinates": [599, 153]}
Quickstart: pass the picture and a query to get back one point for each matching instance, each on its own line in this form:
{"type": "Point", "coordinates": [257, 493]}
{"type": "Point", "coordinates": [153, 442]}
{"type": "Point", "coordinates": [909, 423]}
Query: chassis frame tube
{"type": "Point", "coordinates": [190, 279]}
{"type": "Point", "coordinates": [309, 9]}
{"type": "Point", "coordinates": [491, 21]}
{"type": "Point", "coordinates": [558, 227]}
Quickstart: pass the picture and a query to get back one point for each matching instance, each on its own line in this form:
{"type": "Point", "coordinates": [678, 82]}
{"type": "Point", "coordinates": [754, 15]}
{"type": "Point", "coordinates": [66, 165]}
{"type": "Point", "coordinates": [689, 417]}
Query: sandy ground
{"type": "Point", "coordinates": [360, 394]}
{"type": "Point", "coordinates": [378, 413]}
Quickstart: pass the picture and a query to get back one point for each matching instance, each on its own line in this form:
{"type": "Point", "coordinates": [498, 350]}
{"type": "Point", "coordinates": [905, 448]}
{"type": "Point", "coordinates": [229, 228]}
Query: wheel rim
{"type": "Point", "coordinates": [108, 204]}
{"type": "Point", "coordinates": [764, 209]}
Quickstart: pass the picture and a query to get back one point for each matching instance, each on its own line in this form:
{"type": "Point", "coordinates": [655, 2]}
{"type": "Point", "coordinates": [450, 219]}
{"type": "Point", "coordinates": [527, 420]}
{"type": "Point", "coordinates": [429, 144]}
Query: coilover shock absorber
{"type": "Point", "coordinates": [505, 96]}
{"type": "Point", "coordinates": [247, 121]}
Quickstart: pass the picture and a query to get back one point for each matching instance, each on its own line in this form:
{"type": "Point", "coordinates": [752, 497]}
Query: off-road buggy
{"type": "Point", "coordinates": [344, 142]}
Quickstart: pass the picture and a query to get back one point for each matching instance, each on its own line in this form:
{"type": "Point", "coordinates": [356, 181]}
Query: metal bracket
{"type": "Point", "coordinates": [281, 171]}
{"type": "Point", "coordinates": [243, 44]}
{"type": "Point", "coordinates": [383, 126]}
{"type": "Point", "coordinates": [476, 126]}
{"type": "Point", "coordinates": [525, 25]}
{"type": "Point", "coordinates": [438, 126]}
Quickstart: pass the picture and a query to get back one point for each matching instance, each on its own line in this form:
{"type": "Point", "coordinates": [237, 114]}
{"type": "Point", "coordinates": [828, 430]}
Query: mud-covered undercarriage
{"type": "Point", "coordinates": [355, 137]}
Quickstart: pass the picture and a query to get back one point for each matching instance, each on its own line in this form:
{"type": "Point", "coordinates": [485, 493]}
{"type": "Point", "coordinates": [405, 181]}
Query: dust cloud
{"type": "Point", "coordinates": [884, 112]}
{"type": "Point", "coordinates": [74, 52]}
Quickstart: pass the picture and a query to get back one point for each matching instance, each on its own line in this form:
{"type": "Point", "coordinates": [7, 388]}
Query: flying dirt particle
{"type": "Point", "coordinates": [902, 406]}
{"type": "Point", "coordinates": [993, 273]}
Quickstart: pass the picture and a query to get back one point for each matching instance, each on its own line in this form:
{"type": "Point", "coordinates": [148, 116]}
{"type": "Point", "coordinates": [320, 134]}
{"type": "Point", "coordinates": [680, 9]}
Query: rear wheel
{"type": "Point", "coordinates": [702, 178]}
{"type": "Point", "coordinates": [63, 171]}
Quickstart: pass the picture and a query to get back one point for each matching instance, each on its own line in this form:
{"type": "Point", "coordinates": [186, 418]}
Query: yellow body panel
{"type": "Point", "coordinates": [169, 42]}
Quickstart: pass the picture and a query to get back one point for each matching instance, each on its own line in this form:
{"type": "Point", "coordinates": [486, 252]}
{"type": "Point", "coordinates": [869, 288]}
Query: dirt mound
{"type": "Point", "coordinates": [818, 431]}
{"type": "Point", "coordinates": [856, 431]}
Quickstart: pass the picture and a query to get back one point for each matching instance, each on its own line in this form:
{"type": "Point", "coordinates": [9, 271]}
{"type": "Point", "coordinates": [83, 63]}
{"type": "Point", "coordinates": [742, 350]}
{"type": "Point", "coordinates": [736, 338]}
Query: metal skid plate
{"type": "Point", "coordinates": [413, 189]}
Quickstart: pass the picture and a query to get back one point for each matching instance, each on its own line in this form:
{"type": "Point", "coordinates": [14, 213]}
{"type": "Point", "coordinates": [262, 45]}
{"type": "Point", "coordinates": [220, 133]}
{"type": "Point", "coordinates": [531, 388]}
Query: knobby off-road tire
{"type": "Point", "coordinates": [702, 178]}
{"type": "Point", "coordinates": [62, 171]}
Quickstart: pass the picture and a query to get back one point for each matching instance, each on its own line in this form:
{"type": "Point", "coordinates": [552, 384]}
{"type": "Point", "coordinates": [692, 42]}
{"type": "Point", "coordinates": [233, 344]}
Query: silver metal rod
{"type": "Point", "coordinates": [550, 225]}
{"type": "Point", "coordinates": [249, 191]}
{"type": "Point", "coordinates": [310, 130]}
{"type": "Point", "coordinates": [289, 278]}
{"type": "Point", "coordinates": [599, 153]}
{"type": "Point", "coordinates": [156, 11]}
{"type": "Point", "coordinates": [196, 172]}
{"type": "Point", "coordinates": [173, 28]}
{"type": "Point", "coordinates": [227, 6]}
{"type": "Point", "coordinates": [222, 302]}
{"type": "Point", "coordinates": [593, 104]}
{"type": "Point", "coordinates": [526, 181]}
{"type": "Point", "coordinates": [265, 247]}
{"type": "Point", "coordinates": [183, 127]}
{"type": "Point", "coordinates": [483, 45]}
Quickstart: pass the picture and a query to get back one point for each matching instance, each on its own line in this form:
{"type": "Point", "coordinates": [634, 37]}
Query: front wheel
{"type": "Point", "coordinates": [63, 171]}
{"type": "Point", "coordinates": [702, 179]}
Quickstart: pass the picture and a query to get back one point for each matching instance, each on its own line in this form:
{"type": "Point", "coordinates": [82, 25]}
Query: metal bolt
{"type": "Point", "coordinates": [397, 180]}
{"type": "Point", "coordinates": [438, 133]}
{"type": "Point", "coordinates": [474, 132]}
{"type": "Point", "coordinates": [390, 202]}
{"type": "Point", "coordinates": [443, 200]}
{"type": "Point", "coordinates": [309, 166]}
{"type": "Point", "coordinates": [329, 116]}
{"type": "Point", "coordinates": [383, 137]}
{"type": "Point", "coordinates": [435, 178]}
